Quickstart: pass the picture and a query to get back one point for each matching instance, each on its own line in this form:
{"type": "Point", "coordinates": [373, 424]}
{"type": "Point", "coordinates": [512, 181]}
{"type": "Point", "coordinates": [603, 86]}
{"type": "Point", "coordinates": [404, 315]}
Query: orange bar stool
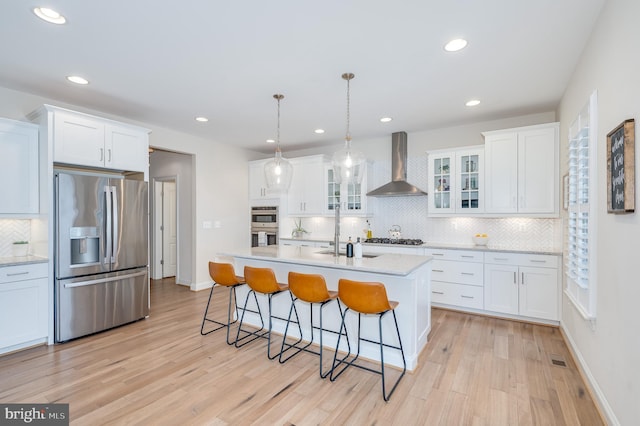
{"type": "Point", "coordinates": [367, 298]}
{"type": "Point", "coordinates": [222, 274]}
{"type": "Point", "coordinates": [263, 281]}
{"type": "Point", "coordinates": [312, 289]}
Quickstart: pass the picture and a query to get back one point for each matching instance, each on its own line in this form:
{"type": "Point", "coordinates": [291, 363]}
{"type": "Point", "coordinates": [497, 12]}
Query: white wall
{"type": "Point", "coordinates": [611, 351]}
{"type": "Point", "coordinates": [219, 190]}
{"type": "Point", "coordinates": [166, 164]}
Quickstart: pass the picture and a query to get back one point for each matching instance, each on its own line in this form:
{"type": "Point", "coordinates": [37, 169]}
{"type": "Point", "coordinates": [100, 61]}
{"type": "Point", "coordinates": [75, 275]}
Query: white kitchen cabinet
{"type": "Point", "coordinates": [304, 243]}
{"type": "Point", "coordinates": [305, 197]}
{"type": "Point", "coordinates": [258, 191]}
{"type": "Point", "coordinates": [352, 198]}
{"type": "Point", "coordinates": [84, 140]}
{"type": "Point", "coordinates": [457, 278]}
{"type": "Point", "coordinates": [522, 284]}
{"type": "Point", "coordinates": [24, 312]}
{"type": "Point", "coordinates": [522, 171]}
{"type": "Point", "coordinates": [456, 181]}
{"type": "Point", "coordinates": [19, 193]}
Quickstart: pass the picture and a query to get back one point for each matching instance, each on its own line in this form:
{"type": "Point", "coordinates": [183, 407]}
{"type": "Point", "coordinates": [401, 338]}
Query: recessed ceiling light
{"type": "Point", "coordinates": [386, 119]}
{"type": "Point", "coordinates": [472, 103]}
{"type": "Point", "coordinates": [319, 131]}
{"type": "Point", "coordinates": [49, 15]}
{"type": "Point", "coordinates": [77, 79]}
{"type": "Point", "coordinates": [455, 45]}
{"type": "Point", "coordinates": [202, 119]}
{"type": "Point", "coordinates": [271, 141]}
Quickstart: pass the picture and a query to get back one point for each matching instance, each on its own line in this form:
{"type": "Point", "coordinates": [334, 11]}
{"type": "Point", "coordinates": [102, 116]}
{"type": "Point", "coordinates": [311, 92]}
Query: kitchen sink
{"type": "Point", "coordinates": [367, 256]}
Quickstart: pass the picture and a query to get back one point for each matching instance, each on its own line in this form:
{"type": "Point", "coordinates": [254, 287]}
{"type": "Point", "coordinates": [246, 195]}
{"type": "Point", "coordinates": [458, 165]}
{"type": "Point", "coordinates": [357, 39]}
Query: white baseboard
{"type": "Point", "coordinates": [596, 393]}
{"type": "Point", "coordinates": [201, 286]}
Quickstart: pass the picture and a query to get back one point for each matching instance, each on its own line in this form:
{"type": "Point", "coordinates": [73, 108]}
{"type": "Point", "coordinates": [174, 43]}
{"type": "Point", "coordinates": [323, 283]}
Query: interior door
{"type": "Point", "coordinates": [169, 230]}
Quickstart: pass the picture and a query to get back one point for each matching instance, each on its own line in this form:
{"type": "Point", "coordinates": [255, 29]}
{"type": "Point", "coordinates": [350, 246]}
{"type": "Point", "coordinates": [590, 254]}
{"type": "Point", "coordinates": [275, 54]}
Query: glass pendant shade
{"type": "Point", "coordinates": [278, 172]}
{"type": "Point", "coordinates": [348, 164]}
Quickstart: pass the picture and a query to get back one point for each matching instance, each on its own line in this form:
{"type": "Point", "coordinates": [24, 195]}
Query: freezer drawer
{"type": "Point", "coordinates": [94, 303]}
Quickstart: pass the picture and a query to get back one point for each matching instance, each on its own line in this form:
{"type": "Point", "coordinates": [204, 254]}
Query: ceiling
{"type": "Point", "coordinates": [165, 62]}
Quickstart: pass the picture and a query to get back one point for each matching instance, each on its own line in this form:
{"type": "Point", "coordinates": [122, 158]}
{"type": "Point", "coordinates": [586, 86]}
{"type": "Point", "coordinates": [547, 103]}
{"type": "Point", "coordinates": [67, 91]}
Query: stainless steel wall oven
{"type": "Point", "coordinates": [264, 225]}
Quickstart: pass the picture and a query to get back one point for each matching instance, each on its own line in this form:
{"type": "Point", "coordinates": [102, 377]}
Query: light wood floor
{"type": "Point", "coordinates": [160, 371]}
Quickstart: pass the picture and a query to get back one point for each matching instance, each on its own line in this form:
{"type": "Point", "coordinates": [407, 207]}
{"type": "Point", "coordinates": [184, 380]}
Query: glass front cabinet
{"type": "Point", "coordinates": [455, 181]}
{"type": "Point", "coordinates": [351, 197]}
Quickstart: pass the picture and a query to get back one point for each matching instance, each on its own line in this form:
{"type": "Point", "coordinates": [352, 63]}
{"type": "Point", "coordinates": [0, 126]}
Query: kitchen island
{"type": "Point", "coordinates": [406, 279]}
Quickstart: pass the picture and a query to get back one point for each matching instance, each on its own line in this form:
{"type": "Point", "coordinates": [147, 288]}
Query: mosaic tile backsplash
{"type": "Point", "coordinates": [13, 230]}
{"type": "Point", "coordinates": [410, 213]}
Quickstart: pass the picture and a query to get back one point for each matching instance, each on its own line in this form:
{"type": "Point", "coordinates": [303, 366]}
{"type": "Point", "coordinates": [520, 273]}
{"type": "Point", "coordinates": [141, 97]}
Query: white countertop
{"type": "Point", "coordinates": [449, 246]}
{"type": "Point", "coordinates": [390, 264]}
{"type": "Point", "coordinates": [21, 260]}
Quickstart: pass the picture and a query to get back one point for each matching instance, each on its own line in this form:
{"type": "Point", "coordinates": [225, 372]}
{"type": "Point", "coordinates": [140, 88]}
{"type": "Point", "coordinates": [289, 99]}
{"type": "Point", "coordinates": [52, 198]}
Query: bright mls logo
{"type": "Point", "coordinates": [36, 414]}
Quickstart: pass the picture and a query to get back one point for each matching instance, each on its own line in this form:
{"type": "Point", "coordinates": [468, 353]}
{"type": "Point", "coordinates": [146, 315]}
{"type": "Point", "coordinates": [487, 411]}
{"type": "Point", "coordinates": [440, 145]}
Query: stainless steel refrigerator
{"type": "Point", "coordinates": [101, 255]}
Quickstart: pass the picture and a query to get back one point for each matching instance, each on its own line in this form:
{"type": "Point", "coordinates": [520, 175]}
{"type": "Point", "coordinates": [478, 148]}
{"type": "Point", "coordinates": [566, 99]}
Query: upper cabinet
{"type": "Point", "coordinates": [84, 140]}
{"type": "Point", "coordinates": [305, 196]}
{"type": "Point", "coordinates": [259, 194]}
{"type": "Point", "coordinates": [352, 198]}
{"type": "Point", "coordinates": [456, 181]}
{"type": "Point", "coordinates": [522, 171]}
{"type": "Point", "coordinates": [19, 193]}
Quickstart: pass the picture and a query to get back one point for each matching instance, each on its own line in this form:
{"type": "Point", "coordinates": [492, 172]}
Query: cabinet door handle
{"type": "Point", "coordinates": [109, 151]}
{"type": "Point", "coordinates": [522, 281]}
{"type": "Point", "coordinates": [437, 292]}
{"type": "Point", "coordinates": [437, 254]}
{"type": "Point", "coordinates": [515, 278]}
{"type": "Point", "coordinates": [101, 154]}
{"type": "Point", "coordinates": [466, 297]}
{"type": "Point", "coordinates": [437, 270]}
{"type": "Point", "coordinates": [537, 261]}
{"type": "Point", "coordinates": [18, 273]}
{"type": "Point", "coordinates": [467, 273]}
{"type": "Point", "coordinates": [500, 259]}
{"type": "Point", "coordinates": [467, 256]}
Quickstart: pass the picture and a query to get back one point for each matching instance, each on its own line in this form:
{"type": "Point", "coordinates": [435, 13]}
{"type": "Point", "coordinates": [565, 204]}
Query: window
{"type": "Point", "coordinates": [580, 250]}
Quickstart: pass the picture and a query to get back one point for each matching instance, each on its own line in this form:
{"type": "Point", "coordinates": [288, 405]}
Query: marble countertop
{"type": "Point", "coordinates": [449, 246]}
{"type": "Point", "coordinates": [21, 260]}
{"type": "Point", "coordinates": [387, 263]}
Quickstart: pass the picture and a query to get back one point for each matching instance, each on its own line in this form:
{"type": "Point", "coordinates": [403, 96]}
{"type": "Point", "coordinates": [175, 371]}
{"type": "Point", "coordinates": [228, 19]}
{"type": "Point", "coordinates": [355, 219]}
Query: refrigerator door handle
{"type": "Point", "coordinates": [104, 280]}
{"type": "Point", "coordinates": [114, 220]}
{"type": "Point", "coordinates": [107, 221]}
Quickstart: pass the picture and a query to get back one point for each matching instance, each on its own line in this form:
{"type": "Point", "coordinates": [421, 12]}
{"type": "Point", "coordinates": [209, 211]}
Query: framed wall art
{"type": "Point", "coordinates": [621, 168]}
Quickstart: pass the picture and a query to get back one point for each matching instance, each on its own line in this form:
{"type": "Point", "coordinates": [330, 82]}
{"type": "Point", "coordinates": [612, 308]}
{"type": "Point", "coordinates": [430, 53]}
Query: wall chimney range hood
{"type": "Point", "coordinates": [398, 187]}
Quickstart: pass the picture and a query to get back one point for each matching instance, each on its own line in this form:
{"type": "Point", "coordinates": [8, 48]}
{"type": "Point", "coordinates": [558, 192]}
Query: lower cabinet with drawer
{"type": "Point", "coordinates": [522, 284]}
{"type": "Point", "coordinates": [457, 278]}
{"type": "Point", "coordinates": [24, 309]}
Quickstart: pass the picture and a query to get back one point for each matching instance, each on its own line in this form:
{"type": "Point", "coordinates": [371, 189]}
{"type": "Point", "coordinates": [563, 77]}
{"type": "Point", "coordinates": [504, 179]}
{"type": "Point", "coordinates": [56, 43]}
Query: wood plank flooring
{"type": "Point", "coordinates": [160, 371]}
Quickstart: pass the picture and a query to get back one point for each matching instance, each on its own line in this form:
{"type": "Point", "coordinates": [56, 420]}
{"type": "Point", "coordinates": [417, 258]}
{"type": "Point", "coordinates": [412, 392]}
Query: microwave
{"type": "Point", "coordinates": [264, 217]}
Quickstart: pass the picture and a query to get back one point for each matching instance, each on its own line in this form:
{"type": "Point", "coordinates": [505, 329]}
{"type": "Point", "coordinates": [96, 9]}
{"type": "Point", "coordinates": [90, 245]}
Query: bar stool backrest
{"type": "Point", "coordinates": [310, 288]}
{"type": "Point", "coordinates": [363, 297]}
{"type": "Point", "coordinates": [262, 280]}
{"type": "Point", "coordinates": [223, 273]}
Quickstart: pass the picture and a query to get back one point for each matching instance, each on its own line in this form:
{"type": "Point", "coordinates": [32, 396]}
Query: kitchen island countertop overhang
{"type": "Point", "coordinates": [405, 277]}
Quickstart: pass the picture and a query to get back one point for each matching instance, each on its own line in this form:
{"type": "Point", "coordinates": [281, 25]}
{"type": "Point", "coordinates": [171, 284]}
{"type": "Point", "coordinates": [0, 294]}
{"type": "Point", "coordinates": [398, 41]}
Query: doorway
{"type": "Point", "coordinates": [165, 231]}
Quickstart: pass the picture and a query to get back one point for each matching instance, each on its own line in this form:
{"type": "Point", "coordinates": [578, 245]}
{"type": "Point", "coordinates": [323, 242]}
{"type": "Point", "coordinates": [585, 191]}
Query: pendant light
{"type": "Point", "coordinates": [278, 170]}
{"type": "Point", "coordinates": [348, 164]}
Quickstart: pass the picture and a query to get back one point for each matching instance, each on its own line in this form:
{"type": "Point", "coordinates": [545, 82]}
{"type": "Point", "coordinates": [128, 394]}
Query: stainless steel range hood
{"type": "Point", "coordinates": [398, 187]}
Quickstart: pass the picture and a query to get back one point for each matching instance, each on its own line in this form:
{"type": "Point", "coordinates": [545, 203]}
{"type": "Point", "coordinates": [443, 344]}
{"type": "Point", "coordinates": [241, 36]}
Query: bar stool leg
{"type": "Point", "coordinates": [286, 330]}
{"type": "Point", "coordinates": [205, 319]}
{"type": "Point", "coordinates": [382, 345]}
{"type": "Point", "coordinates": [256, 334]}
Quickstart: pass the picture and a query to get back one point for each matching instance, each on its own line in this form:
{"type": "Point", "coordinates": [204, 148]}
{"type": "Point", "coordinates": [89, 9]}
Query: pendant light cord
{"type": "Point", "coordinates": [278, 97]}
{"type": "Point", "coordinates": [348, 77]}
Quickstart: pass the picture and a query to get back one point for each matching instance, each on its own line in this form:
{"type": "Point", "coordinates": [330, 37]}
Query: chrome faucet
{"type": "Point", "coordinates": [336, 238]}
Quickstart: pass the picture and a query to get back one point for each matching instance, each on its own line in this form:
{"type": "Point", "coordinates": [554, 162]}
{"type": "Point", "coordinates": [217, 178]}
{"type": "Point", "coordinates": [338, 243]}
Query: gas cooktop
{"type": "Point", "coordinates": [401, 241]}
